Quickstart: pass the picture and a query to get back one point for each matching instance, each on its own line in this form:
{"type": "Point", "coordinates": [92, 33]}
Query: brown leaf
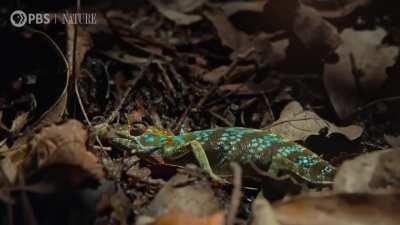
{"type": "Point", "coordinates": [14, 157]}
{"type": "Point", "coordinates": [295, 123]}
{"type": "Point", "coordinates": [180, 218]}
{"type": "Point", "coordinates": [229, 35]}
{"type": "Point", "coordinates": [363, 52]}
{"type": "Point", "coordinates": [241, 43]}
{"type": "Point", "coordinates": [392, 141]}
{"type": "Point", "coordinates": [171, 11]}
{"type": "Point", "coordinates": [8, 166]}
{"type": "Point", "coordinates": [370, 172]}
{"type": "Point", "coordinates": [83, 44]}
{"type": "Point", "coordinates": [124, 57]}
{"type": "Point", "coordinates": [340, 209]}
{"type": "Point", "coordinates": [57, 109]}
{"type": "Point", "coordinates": [19, 122]}
{"type": "Point", "coordinates": [250, 87]}
{"type": "Point", "coordinates": [215, 75]}
{"type": "Point", "coordinates": [314, 32]}
{"type": "Point", "coordinates": [233, 7]}
{"type": "Point", "coordinates": [194, 198]}
{"type": "Point", "coordinates": [262, 213]}
{"type": "Point", "coordinates": [310, 28]}
{"type": "Point", "coordinates": [337, 9]}
{"type": "Point", "coordinates": [184, 6]}
{"type": "Point", "coordinates": [64, 147]}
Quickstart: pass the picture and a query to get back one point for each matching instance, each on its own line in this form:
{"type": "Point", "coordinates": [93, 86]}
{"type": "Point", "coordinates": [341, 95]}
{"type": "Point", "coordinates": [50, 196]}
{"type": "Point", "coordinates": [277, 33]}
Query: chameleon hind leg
{"type": "Point", "coordinates": [276, 164]}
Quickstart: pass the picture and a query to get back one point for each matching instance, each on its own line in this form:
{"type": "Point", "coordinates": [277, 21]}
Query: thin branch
{"type": "Point", "coordinates": [236, 193]}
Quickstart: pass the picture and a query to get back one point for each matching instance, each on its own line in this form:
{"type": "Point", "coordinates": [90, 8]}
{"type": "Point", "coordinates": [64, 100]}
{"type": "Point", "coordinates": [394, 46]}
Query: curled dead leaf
{"type": "Point", "coordinates": [340, 209]}
{"type": "Point", "coordinates": [363, 53]}
{"type": "Point", "coordinates": [176, 10]}
{"type": "Point", "coordinates": [197, 198]}
{"type": "Point", "coordinates": [262, 213]}
{"type": "Point", "coordinates": [250, 87]}
{"type": "Point", "coordinates": [377, 171]}
{"type": "Point", "coordinates": [335, 8]}
{"type": "Point", "coordinates": [315, 33]}
{"type": "Point", "coordinates": [175, 217]}
{"type": "Point", "coordinates": [392, 140]}
{"type": "Point", "coordinates": [56, 110]}
{"type": "Point", "coordinates": [64, 146]}
{"type": "Point", "coordinates": [232, 7]}
{"type": "Point", "coordinates": [240, 42]}
{"type": "Point", "coordinates": [295, 123]}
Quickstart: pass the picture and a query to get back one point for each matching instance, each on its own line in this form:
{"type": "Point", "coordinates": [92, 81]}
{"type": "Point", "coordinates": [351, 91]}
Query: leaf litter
{"type": "Point", "coordinates": [188, 65]}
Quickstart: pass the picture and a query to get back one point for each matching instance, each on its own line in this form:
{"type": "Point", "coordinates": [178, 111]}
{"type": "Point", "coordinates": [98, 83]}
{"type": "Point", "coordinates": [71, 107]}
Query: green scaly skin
{"type": "Point", "coordinates": [215, 148]}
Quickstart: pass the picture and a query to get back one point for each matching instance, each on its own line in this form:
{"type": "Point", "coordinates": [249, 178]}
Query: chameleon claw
{"type": "Point", "coordinates": [218, 179]}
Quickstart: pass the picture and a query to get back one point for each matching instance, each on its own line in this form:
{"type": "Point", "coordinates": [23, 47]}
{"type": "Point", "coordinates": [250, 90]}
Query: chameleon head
{"type": "Point", "coordinates": [151, 140]}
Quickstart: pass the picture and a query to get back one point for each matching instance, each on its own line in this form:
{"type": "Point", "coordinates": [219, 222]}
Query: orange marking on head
{"type": "Point", "coordinates": [169, 142]}
{"type": "Point", "coordinates": [159, 132]}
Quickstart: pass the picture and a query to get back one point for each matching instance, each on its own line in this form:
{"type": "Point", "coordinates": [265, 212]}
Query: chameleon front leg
{"type": "Point", "coordinates": [201, 157]}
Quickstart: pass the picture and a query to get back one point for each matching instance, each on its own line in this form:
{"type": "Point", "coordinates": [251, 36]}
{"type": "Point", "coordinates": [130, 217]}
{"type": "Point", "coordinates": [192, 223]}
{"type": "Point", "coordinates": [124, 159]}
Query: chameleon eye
{"type": "Point", "coordinates": [137, 129]}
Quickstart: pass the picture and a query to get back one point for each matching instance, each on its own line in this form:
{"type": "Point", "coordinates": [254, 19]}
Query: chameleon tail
{"type": "Point", "coordinates": [304, 163]}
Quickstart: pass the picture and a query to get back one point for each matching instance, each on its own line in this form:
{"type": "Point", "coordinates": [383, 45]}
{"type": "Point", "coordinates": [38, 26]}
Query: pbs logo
{"type": "Point", "coordinates": [18, 18]}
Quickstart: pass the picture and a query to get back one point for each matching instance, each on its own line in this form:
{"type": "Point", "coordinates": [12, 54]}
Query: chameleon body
{"type": "Point", "coordinates": [270, 152]}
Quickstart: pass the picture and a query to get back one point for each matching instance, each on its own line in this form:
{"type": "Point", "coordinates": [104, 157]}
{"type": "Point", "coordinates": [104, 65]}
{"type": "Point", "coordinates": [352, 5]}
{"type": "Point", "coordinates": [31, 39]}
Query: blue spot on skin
{"type": "Point", "coordinates": [288, 150]}
{"type": "Point", "coordinates": [162, 140]}
{"type": "Point", "coordinates": [180, 139]}
{"type": "Point", "coordinates": [327, 170]}
{"type": "Point", "coordinates": [149, 138]}
{"type": "Point", "coordinates": [307, 161]}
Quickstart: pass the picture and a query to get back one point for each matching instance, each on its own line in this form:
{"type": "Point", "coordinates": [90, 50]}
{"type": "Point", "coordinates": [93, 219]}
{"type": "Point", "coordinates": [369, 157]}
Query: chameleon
{"type": "Point", "coordinates": [215, 148]}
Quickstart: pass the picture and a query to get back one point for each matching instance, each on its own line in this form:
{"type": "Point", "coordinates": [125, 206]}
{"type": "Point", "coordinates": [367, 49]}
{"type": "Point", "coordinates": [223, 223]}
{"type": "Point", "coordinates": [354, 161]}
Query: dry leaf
{"type": "Point", "coordinates": [340, 209]}
{"type": "Point", "coordinates": [84, 44]}
{"type": "Point", "coordinates": [310, 28]}
{"type": "Point", "coordinates": [121, 206]}
{"type": "Point", "coordinates": [262, 213]}
{"type": "Point", "coordinates": [184, 6]}
{"type": "Point", "coordinates": [233, 7]}
{"type": "Point", "coordinates": [371, 58]}
{"type": "Point", "coordinates": [392, 141]}
{"type": "Point", "coordinates": [8, 167]}
{"type": "Point", "coordinates": [19, 122]}
{"type": "Point", "coordinates": [251, 88]}
{"type": "Point", "coordinates": [171, 12]}
{"type": "Point", "coordinates": [370, 172]}
{"type": "Point", "coordinates": [13, 158]}
{"type": "Point", "coordinates": [124, 57]}
{"type": "Point", "coordinates": [229, 35]}
{"type": "Point", "coordinates": [180, 218]}
{"type": "Point", "coordinates": [194, 198]}
{"type": "Point", "coordinates": [295, 123]}
{"type": "Point", "coordinates": [335, 8]}
{"type": "Point", "coordinates": [315, 32]}
{"type": "Point", "coordinates": [241, 43]}
{"type": "Point", "coordinates": [56, 110]}
{"type": "Point", "coordinates": [64, 146]}
{"type": "Point", "coordinates": [215, 75]}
